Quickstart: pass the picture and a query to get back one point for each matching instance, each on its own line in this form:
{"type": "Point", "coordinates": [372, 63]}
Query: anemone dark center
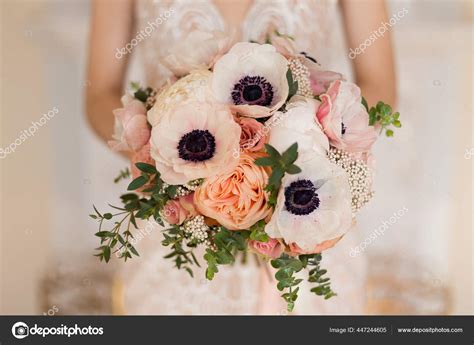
{"type": "Point", "coordinates": [301, 197]}
{"type": "Point", "coordinates": [343, 128]}
{"type": "Point", "coordinates": [253, 91]}
{"type": "Point", "coordinates": [197, 146]}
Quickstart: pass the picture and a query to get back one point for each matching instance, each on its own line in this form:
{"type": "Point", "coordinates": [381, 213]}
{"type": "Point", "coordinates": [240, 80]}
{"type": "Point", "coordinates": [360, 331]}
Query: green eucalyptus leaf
{"type": "Point", "coordinates": [140, 181]}
{"type": "Point", "coordinates": [147, 168]}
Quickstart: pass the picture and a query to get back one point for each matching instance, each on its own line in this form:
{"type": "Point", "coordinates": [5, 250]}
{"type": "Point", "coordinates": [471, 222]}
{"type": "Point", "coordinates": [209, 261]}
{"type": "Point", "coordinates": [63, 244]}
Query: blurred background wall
{"type": "Point", "coordinates": [49, 183]}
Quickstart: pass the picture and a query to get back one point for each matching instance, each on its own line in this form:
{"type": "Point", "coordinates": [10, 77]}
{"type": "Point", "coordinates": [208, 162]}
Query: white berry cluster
{"type": "Point", "coordinates": [360, 179]}
{"type": "Point", "coordinates": [188, 188]}
{"type": "Point", "coordinates": [150, 101]}
{"type": "Point", "coordinates": [197, 229]}
{"type": "Point", "coordinates": [301, 74]}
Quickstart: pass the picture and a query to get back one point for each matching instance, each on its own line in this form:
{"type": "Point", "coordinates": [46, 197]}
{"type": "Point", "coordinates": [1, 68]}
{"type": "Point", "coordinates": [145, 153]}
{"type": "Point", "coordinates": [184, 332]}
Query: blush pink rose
{"type": "Point", "coordinates": [296, 250]}
{"type": "Point", "coordinates": [252, 137]}
{"type": "Point", "coordinates": [344, 119]}
{"type": "Point", "coordinates": [131, 126]}
{"type": "Point", "coordinates": [319, 78]}
{"type": "Point", "coordinates": [177, 211]}
{"type": "Point", "coordinates": [272, 248]}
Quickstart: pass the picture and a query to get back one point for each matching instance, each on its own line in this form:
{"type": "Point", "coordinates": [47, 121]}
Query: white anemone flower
{"type": "Point", "coordinates": [251, 78]}
{"type": "Point", "coordinates": [194, 140]}
{"type": "Point", "coordinates": [313, 206]}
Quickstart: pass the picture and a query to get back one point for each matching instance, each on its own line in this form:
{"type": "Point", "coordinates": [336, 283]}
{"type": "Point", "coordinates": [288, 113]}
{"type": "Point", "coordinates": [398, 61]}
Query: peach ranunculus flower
{"type": "Point", "coordinates": [251, 78]}
{"type": "Point", "coordinates": [194, 140]}
{"type": "Point", "coordinates": [236, 199]}
{"type": "Point", "coordinates": [131, 130]}
{"type": "Point", "coordinates": [272, 248]}
{"type": "Point", "coordinates": [177, 211]}
{"type": "Point", "coordinates": [344, 119]}
{"type": "Point", "coordinates": [253, 136]}
{"type": "Point", "coordinates": [198, 50]}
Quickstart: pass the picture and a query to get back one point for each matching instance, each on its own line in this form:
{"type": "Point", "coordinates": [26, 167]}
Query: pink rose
{"type": "Point", "coordinates": [272, 248]}
{"type": "Point", "coordinates": [296, 250]}
{"type": "Point", "coordinates": [344, 119]}
{"type": "Point", "coordinates": [131, 126]}
{"type": "Point", "coordinates": [252, 137]}
{"type": "Point", "coordinates": [176, 211]}
{"type": "Point", "coordinates": [319, 78]}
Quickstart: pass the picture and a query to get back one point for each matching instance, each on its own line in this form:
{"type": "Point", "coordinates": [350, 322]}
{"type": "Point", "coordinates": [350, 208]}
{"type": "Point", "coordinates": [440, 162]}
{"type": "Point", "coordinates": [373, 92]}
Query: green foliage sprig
{"type": "Point", "coordinates": [383, 116]}
{"type": "Point", "coordinates": [315, 275]}
{"type": "Point", "coordinates": [292, 84]}
{"type": "Point", "coordinates": [257, 232]}
{"type": "Point", "coordinates": [124, 174]}
{"type": "Point", "coordinates": [280, 164]}
{"type": "Point", "coordinates": [288, 266]}
{"type": "Point", "coordinates": [226, 244]}
{"type": "Point", "coordinates": [118, 238]}
{"type": "Point", "coordinates": [175, 237]}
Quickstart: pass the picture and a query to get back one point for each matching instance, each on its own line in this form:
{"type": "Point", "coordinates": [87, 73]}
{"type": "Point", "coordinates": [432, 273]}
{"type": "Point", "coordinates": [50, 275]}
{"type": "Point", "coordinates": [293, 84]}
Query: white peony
{"type": "Point", "coordinates": [298, 124]}
{"type": "Point", "coordinates": [195, 86]}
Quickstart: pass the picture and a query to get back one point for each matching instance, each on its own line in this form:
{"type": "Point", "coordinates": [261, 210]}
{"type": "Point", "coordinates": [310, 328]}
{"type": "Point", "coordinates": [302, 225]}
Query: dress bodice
{"type": "Point", "coordinates": [310, 22]}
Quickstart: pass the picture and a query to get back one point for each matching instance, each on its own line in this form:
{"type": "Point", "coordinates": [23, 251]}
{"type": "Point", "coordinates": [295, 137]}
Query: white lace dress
{"type": "Point", "coordinates": [151, 285]}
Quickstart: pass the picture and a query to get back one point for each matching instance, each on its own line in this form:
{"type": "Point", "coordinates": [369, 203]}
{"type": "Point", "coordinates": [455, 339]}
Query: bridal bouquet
{"type": "Point", "coordinates": [251, 149]}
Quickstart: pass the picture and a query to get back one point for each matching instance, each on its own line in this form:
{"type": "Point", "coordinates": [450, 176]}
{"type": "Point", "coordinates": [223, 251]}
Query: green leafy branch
{"type": "Point", "coordinates": [124, 174]}
{"type": "Point", "coordinates": [280, 164]}
{"type": "Point", "coordinates": [118, 238]}
{"type": "Point", "coordinates": [323, 287]}
{"type": "Point", "coordinates": [257, 232]}
{"type": "Point", "coordinates": [227, 243]}
{"type": "Point", "coordinates": [286, 276]}
{"type": "Point", "coordinates": [292, 84]}
{"type": "Point", "coordinates": [175, 237]}
{"type": "Point", "coordinates": [383, 116]}
{"type": "Point", "coordinates": [115, 240]}
{"type": "Point", "coordinates": [287, 268]}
